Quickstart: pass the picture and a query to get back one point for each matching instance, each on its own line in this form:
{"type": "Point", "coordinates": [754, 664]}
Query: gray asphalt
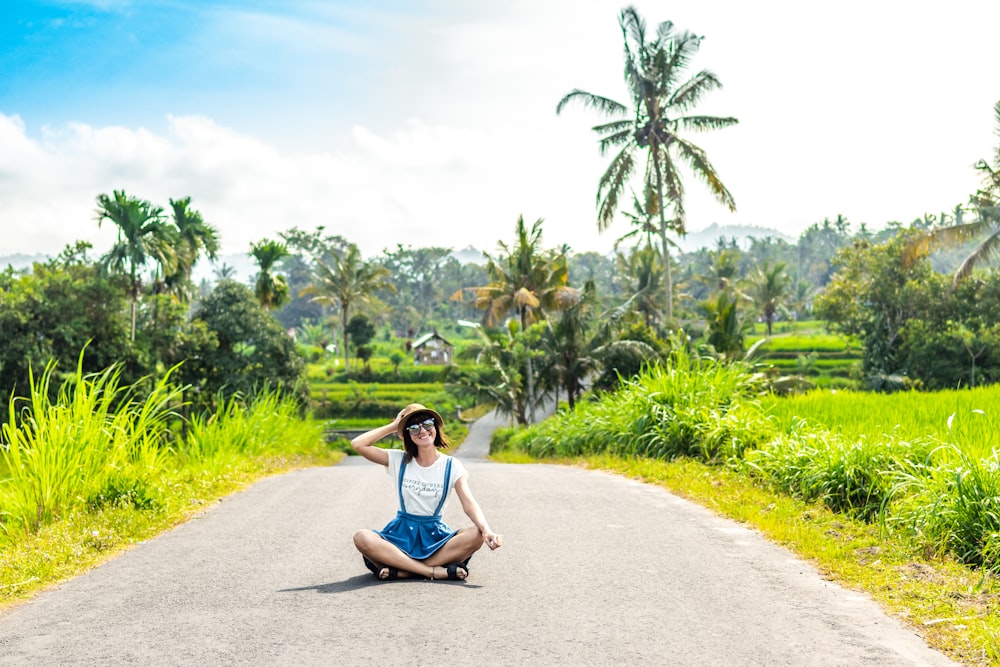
{"type": "Point", "coordinates": [595, 570]}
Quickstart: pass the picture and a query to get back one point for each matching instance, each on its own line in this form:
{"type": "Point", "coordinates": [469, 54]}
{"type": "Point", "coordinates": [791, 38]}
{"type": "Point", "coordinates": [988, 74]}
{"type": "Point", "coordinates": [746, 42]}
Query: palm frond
{"type": "Point", "coordinates": [988, 249]}
{"type": "Point", "coordinates": [674, 57]}
{"type": "Point", "coordinates": [705, 123]}
{"type": "Point", "coordinates": [606, 106]}
{"type": "Point", "coordinates": [614, 127]}
{"type": "Point", "coordinates": [623, 138]}
{"type": "Point", "coordinates": [926, 242]}
{"type": "Point", "coordinates": [611, 186]}
{"type": "Point", "coordinates": [688, 94]}
{"type": "Point", "coordinates": [700, 165]}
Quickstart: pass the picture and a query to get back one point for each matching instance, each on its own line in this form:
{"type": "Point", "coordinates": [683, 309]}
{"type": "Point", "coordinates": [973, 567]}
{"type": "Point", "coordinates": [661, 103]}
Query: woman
{"type": "Point", "coordinates": [417, 543]}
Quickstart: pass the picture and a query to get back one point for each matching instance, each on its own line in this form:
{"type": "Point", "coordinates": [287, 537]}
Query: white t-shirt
{"type": "Point", "coordinates": [422, 487]}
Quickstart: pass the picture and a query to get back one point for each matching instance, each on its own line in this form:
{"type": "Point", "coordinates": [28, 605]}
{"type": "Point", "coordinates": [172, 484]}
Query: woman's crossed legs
{"type": "Point", "coordinates": [386, 556]}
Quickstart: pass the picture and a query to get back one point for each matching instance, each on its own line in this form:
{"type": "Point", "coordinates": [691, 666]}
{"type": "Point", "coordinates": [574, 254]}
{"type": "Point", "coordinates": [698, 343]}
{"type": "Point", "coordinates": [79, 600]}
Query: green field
{"type": "Point", "coordinates": [967, 418]}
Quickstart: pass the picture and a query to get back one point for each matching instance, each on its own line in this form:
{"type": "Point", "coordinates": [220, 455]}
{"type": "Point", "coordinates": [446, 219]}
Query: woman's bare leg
{"type": "Point", "coordinates": [466, 542]}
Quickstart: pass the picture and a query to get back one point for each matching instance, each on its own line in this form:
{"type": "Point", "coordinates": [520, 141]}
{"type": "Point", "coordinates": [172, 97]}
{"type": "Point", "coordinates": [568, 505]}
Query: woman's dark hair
{"type": "Point", "coordinates": [440, 440]}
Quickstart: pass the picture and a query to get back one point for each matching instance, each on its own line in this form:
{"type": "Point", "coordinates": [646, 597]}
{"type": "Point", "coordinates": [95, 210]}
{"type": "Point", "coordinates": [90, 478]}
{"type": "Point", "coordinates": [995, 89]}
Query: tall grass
{"type": "Point", "coordinates": [98, 446]}
{"type": "Point", "coordinates": [94, 437]}
{"type": "Point", "coordinates": [240, 428]}
{"type": "Point", "coordinates": [692, 407]}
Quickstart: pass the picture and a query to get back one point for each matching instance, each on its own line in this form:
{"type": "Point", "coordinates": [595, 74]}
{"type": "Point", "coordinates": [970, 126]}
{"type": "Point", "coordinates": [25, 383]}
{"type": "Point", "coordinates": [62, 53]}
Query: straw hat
{"type": "Point", "coordinates": [413, 409]}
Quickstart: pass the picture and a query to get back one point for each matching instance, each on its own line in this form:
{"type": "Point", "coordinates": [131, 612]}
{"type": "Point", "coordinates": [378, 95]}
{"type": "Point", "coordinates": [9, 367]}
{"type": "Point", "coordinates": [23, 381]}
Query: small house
{"type": "Point", "coordinates": [432, 349]}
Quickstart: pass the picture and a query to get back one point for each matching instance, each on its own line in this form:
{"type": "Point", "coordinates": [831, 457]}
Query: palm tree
{"type": "Point", "coordinates": [769, 288]}
{"type": "Point", "coordinates": [654, 70]}
{"type": "Point", "coordinates": [986, 204]}
{"type": "Point", "coordinates": [225, 272]}
{"type": "Point", "coordinates": [194, 235]}
{"type": "Point", "coordinates": [528, 281]}
{"type": "Point", "coordinates": [570, 342]}
{"type": "Point", "coordinates": [344, 280]}
{"type": "Point", "coordinates": [143, 236]}
{"type": "Point", "coordinates": [271, 289]}
{"type": "Point", "coordinates": [642, 270]}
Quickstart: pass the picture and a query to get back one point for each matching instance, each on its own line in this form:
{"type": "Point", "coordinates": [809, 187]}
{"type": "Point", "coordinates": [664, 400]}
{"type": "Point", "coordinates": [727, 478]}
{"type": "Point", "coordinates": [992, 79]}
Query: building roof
{"type": "Point", "coordinates": [427, 337]}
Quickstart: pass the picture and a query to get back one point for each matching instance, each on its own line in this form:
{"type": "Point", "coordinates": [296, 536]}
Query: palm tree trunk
{"type": "Point", "coordinates": [531, 381]}
{"type": "Point", "coordinates": [132, 313]}
{"type": "Point", "coordinates": [343, 328]}
{"type": "Point", "coordinates": [667, 274]}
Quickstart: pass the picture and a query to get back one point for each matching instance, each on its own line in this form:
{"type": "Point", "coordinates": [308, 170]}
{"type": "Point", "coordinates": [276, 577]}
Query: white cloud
{"type": "Point", "coordinates": [421, 185]}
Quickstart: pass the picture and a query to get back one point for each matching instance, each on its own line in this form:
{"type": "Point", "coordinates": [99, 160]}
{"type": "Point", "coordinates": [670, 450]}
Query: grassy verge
{"type": "Point", "coordinates": [952, 606]}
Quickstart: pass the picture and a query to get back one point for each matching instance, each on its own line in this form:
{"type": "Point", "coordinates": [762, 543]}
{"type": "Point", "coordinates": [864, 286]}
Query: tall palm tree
{"type": "Point", "coordinates": [194, 235]}
{"type": "Point", "coordinates": [271, 289]}
{"type": "Point", "coordinates": [986, 204]}
{"type": "Point", "coordinates": [344, 280]}
{"type": "Point", "coordinates": [661, 100]}
{"type": "Point", "coordinates": [526, 280]}
{"type": "Point", "coordinates": [143, 236]}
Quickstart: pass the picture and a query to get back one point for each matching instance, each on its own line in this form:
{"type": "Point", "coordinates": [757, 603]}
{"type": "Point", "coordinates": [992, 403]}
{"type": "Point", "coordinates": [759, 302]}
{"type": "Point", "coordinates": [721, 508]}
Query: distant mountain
{"type": "Point", "coordinates": [707, 237]}
{"type": "Point", "coordinates": [469, 255]}
{"type": "Point", "coordinates": [20, 261]}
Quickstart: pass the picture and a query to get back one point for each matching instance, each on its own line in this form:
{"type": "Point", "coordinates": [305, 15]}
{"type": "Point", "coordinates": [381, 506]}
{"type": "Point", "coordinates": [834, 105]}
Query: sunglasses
{"type": "Point", "coordinates": [427, 424]}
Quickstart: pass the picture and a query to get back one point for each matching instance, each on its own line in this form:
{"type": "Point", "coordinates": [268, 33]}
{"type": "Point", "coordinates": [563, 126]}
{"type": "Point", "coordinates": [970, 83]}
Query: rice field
{"type": "Point", "coordinates": [968, 419]}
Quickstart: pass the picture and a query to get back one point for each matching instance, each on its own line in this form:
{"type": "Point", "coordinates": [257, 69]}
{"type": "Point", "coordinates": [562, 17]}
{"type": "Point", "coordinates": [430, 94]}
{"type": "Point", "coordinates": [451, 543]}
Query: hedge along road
{"type": "Point", "coordinates": [595, 569]}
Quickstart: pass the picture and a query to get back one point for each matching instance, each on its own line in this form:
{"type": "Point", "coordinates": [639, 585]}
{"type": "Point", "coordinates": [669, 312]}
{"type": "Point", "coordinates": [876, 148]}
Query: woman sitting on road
{"type": "Point", "coordinates": [417, 543]}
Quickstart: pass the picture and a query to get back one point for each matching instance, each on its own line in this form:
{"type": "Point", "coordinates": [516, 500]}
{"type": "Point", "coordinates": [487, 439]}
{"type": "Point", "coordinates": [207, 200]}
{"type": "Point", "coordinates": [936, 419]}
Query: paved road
{"type": "Point", "coordinates": [596, 570]}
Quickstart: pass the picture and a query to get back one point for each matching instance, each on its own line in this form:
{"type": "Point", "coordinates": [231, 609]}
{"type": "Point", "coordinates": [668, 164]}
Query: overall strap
{"type": "Point", "coordinates": [444, 491]}
{"type": "Point", "coordinates": [399, 486]}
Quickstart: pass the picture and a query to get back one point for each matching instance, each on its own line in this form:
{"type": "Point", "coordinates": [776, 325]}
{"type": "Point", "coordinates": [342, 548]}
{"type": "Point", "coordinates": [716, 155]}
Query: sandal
{"type": "Point", "coordinates": [390, 572]}
{"type": "Point", "coordinates": [453, 571]}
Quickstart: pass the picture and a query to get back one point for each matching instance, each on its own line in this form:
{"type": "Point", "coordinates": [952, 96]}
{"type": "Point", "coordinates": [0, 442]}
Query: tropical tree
{"type": "Point", "coordinates": [641, 271]}
{"type": "Point", "coordinates": [986, 225]}
{"type": "Point", "coordinates": [653, 126]}
{"type": "Point", "coordinates": [344, 280]}
{"type": "Point", "coordinates": [769, 287]}
{"type": "Point", "coordinates": [528, 281]}
{"type": "Point", "coordinates": [193, 236]}
{"type": "Point", "coordinates": [144, 236]}
{"type": "Point", "coordinates": [270, 288]}
{"type": "Point", "coordinates": [727, 324]}
{"type": "Point", "coordinates": [502, 354]}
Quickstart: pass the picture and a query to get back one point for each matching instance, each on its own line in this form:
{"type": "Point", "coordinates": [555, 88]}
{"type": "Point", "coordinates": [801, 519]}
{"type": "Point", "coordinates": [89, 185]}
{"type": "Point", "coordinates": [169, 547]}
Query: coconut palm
{"type": "Point", "coordinates": [270, 288]}
{"type": "Point", "coordinates": [986, 226]}
{"type": "Point", "coordinates": [653, 126]}
{"type": "Point", "coordinates": [344, 280]}
{"type": "Point", "coordinates": [144, 236]}
{"type": "Point", "coordinates": [526, 280]}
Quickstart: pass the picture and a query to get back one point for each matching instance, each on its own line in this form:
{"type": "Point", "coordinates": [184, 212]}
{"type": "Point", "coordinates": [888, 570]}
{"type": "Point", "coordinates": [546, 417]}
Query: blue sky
{"type": "Point", "coordinates": [432, 122]}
